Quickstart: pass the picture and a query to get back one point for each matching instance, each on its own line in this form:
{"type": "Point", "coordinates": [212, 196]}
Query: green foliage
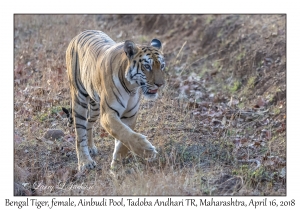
{"type": "Point", "coordinates": [56, 109]}
{"type": "Point", "coordinates": [235, 87]}
{"type": "Point", "coordinates": [42, 116]}
{"type": "Point", "coordinates": [276, 110]}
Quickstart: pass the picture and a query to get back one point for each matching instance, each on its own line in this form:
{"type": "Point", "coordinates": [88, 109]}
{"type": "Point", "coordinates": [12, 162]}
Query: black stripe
{"type": "Point", "coordinates": [134, 106]}
{"type": "Point", "coordinates": [94, 41]}
{"type": "Point", "coordinates": [97, 109]}
{"type": "Point", "coordinates": [76, 79]}
{"type": "Point", "coordinates": [81, 140]}
{"type": "Point", "coordinates": [72, 50]}
{"type": "Point", "coordinates": [130, 70]}
{"type": "Point", "coordinates": [112, 78]}
{"type": "Point", "coordinates": [79, 116]}
{"type": "Point", "coordinates": [84, 35]}
{"type": "Point", "coordinates": [93, 103]}
{"type": "Point", "coordinates": [137, 73]}
{"type": "Point", "coordinates": [92, 121]}
{"type": "Point", "coordinates": [128, 117]}
{"type": "Point", "coordinates": [134, 62]}
{"type": "Point", "coordinates": [78, 82]}
{"type": "Point", "coordinates": [94, 116]}
{"type": "Point", "coordinates": [85, 94]}
{"type": "Point", "coordinates": [145, 60]}
{"type": "Point", "coordinates": [80, 126]}
{"type": "Point", "coordinates": [84, 41]}
{"type": "Point", "coordinates": [121, 79]}
{"type": "Point", "coordinates": [118, 99]}
{"type": "Point", "coordinates": [98, 53]}
{"type": "Point", "coordinates": [112, 108]}
{"type": "Point", "coordinates": [84, 105]}
{"type": "Point", "coordinates": [142, 75]}
{"type": "Point", "coordinates": [81, 97]}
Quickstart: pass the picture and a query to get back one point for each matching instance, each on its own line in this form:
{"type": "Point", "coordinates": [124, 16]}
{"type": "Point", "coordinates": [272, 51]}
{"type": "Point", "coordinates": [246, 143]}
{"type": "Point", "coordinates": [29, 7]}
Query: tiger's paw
{"type": "Point", "coordinates": [93, 150]}
{"type": "Point", "coordinates": [143, 148]}
{"type": "Point", "coordinates": [87, 164]}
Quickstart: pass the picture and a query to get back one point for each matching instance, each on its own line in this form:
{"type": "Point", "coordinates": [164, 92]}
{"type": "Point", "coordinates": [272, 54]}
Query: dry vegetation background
{"type": "Point", "coordinates": [219, 123]}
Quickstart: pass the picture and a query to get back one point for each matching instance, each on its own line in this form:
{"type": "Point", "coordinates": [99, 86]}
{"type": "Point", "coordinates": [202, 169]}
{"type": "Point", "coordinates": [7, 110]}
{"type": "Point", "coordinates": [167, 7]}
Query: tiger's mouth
{"type": "Point", "coordinates": [148, 91]}
{"type": "Point", "coordinates": [152, 91]}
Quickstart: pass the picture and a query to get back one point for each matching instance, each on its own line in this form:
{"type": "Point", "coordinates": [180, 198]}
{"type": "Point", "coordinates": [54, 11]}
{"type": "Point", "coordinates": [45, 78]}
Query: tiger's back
{"type": "Point", "coordinates": [81, 58]}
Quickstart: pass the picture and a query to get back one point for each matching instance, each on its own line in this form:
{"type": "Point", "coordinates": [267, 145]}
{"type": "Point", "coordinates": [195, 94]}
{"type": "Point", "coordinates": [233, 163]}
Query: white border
{"type": "Point", "coordinates": [154, 6]}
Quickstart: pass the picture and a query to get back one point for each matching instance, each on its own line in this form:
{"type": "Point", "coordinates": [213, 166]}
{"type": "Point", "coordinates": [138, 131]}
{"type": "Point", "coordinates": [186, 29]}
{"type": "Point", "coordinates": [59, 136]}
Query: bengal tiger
{"type": "Point", "coordinates": [107, 79]}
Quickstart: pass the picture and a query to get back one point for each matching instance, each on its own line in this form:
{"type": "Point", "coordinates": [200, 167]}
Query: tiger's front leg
{"type": "Point", "coordinates": [121, 150]}
{"type": "Point", "coordinates": [136, 142]}
{"type": "Point", "coordinates": [80, 111]}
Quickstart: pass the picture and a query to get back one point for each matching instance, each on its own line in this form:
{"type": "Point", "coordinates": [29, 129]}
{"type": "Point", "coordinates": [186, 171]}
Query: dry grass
{"type": "Point", "coordinates": [211, 142]}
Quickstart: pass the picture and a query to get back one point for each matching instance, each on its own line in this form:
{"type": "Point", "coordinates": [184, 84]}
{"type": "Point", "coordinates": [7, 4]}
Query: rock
{"type": "Point", "coordinates": [53, 134]}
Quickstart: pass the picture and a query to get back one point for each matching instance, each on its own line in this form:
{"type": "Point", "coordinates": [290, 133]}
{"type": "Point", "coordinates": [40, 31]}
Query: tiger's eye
{"type": "Point", "coordinates": [147, 66]}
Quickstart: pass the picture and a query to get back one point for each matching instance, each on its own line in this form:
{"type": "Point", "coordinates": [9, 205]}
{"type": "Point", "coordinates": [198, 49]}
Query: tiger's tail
{"type": "Point", "coordinates": [68, 112]}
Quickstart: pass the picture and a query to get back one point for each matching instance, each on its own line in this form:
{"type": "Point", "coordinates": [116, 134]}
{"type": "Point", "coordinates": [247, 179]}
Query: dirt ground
{"type": "Point", "coordinates": [219, 123]}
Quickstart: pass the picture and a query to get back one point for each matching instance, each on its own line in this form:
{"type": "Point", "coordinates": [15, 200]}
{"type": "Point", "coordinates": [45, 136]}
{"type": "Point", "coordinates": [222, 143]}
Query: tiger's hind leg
{"type": "Point", "coordinates": [79, 112]}
{"type": "Point", "coordinates": [94, 112]}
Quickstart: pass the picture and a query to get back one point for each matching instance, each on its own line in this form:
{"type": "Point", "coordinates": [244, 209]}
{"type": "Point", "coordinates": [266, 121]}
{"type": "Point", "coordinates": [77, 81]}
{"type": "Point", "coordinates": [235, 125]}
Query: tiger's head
{"type": "Point", "coordinates": [146, 66]}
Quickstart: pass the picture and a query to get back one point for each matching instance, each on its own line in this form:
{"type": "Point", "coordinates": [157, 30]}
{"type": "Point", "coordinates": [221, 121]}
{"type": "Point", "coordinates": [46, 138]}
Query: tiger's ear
{"type": "Point", "coordinates": [156, 43]}
{"type": "Point", "coordinates": [130, 48]}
